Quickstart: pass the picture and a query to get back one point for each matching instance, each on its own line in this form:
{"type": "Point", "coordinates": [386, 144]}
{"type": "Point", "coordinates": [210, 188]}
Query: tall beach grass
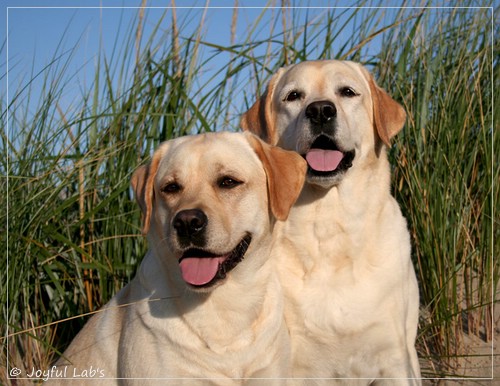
{"type": "Point", "coordinates": [70, 227]}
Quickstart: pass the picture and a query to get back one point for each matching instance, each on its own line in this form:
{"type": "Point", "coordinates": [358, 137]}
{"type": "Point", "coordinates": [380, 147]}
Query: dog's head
{"type": "Point", "coordinates": [331, 112]}
{"type": "Point", "coordinates": [209, 201]}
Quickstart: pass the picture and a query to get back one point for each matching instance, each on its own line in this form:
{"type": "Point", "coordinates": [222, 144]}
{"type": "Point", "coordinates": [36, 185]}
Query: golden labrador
{"type": "Point", "coordinates": [206, 302]}
{"type": "Point", "coordinates": [351, 293]}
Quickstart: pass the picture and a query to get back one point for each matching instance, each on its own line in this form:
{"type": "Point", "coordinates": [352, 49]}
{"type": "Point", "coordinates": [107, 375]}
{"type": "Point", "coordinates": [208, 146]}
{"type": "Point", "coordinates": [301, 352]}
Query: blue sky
{"type": "Point", "coordinates": [37, 33]}
{"type": "Point", "coordinates": [39, 29]}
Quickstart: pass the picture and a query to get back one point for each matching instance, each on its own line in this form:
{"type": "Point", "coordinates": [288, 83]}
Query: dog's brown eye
{"type": "Point", "coordinates": [347, 92]}
{"type": "Point", "coordinates": [293, 95]}
{"type": "Point", "coordinates": [172, 187]}
{"type": "Point", "coordinates": [228, 182]}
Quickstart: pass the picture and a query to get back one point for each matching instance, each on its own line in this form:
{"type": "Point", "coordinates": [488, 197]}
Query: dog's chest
{"type": "Point", "coordinates": [322, 237]}
{"type": "Point", "coordinates": [329, 267]}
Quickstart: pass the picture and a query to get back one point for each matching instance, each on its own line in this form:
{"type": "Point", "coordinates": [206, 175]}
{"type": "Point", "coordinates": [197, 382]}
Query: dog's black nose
{"type": "Point", "coordinates": [321, 111]}
{"type": "Point", "coordinates": [190, 222]}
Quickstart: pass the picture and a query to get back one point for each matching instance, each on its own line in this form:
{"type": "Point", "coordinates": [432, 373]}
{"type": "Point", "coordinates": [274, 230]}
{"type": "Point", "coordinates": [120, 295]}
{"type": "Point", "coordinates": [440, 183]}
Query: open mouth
{"type": "Point", "coordinates": [202, 269]}
{"type": "Point", "coordinates": [324, 158]}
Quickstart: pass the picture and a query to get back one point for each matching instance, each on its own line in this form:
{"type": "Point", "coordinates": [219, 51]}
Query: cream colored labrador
{"type": "Point", "coordinates": [206, 302]}
{"type": "Point", "coordinates": [350, 288]}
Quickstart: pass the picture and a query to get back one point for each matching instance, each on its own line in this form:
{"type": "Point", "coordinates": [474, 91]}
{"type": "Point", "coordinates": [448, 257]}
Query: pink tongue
{"type": "Point", "coordinates": [199, 271]}
{"type": "Point", "coordinates": [324, 160]}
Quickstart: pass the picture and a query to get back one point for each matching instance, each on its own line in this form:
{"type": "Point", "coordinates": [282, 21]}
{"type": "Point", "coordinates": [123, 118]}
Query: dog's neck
{"type": "Point", "coordinates": [222, 308]}
{"type": "Point", "coordinates": [340, 219]}
{"type": "Point", "coordinates": [359, 187]}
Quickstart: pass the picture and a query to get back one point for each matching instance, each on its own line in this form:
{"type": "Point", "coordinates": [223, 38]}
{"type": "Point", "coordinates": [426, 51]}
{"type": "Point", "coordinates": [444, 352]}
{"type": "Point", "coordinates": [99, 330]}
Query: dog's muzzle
{"type": "Point", "coordinates": [190, 226]}
{"type": "Point", "coordinates": [321, 113]}
{"type": "Point", "coordinates": [324, 157]}
{"type": "Point", "coordinates": [201, 268]}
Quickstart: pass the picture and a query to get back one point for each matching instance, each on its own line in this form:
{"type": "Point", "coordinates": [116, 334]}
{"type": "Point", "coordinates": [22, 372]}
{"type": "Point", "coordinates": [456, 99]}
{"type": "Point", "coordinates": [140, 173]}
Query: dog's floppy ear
{"type": "Point", "coordinates": [389, 116]}
{"type": "Point", "coordinates": [285, 171]}
{"type": "Point", "coordinates": [143, 186]}
{"type": "Point", "coordinates": [259, 118]}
